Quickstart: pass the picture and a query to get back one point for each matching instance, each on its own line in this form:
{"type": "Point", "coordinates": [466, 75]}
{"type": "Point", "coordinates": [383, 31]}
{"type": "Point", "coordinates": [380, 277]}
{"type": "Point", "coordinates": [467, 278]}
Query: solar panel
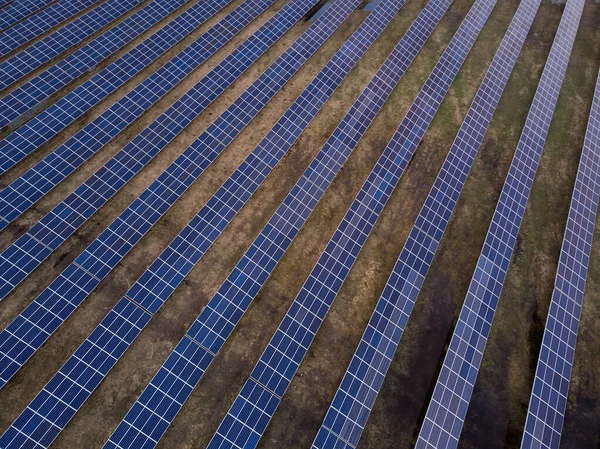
{"type": "Point", "coordinates": [548, 399]}
{"type": "Point", "coordinates": [78, 280]}
{"type": "Point", "coordinates": [21, 10]}
{"type": "Point", "coordinates": [159, 403]}
{"type": "Point", "coordinates": [251, 411]}
{"type": "Point", "coordinates": [36, 25]}
{"type": "Point", "coordinates": [448, 406]}
{"type": "Point", "coordinates": [87, 57]}
{"type": "Point", "coordinates": [54, 406]}
{"type": "Point", "coordinates": [65, 111]}
{"type": "Point", "coordinates": [353, 402]}
{"type": "Point", "coordinates": [23, 256]}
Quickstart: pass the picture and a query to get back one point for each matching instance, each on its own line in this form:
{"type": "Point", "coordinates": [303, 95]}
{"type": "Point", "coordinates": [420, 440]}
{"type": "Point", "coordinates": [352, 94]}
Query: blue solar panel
{"type": "Point", "coordinates": [33, 247]}
{"type": "Point", "coordinates": [162, 399]}
{"type": "Point", "coordinates": [448, 406]}
{"type": "Point", "coordinates": [349, 411]}
{"type": "Point", "coordinates": [247, 419]}
{"type": "Point", "coordinates": [20, 10]}
{"type": "Point", "coordinates": [36, 25]}
{"type": "Point", "coordinates": [86, 58]}
{"type": "Point", "coordinates": [100, 351]}
{"type": "Point", "coordinates": [549, 394]}
{"type": "Point", "coordinates": [46, 174]}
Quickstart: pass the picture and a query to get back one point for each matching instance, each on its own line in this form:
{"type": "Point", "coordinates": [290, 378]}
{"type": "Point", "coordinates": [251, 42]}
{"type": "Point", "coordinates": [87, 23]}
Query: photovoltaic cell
{"type": "Point", "coordinates": [20, 10]}
{"type": "Point", "coordinates": [448, 406]}
{"type": "Point", "coordinates": [159, 403]}
{"type": "Point", "coordinates": [353, 402]}
{"type": "Point", "coordinates": [251, 411]}
{"type": "Point", "coordinates": [36, 25]}
{"type": "Point", "coordinates": [28, 251]}
{"type": "Point", "coordinates": [84, 59]}
{"type": "Point", "coordinates": [54, 406]}
{"type": "Point", "coordinates": [551, 384]}
{"type": "Point", "coordinates": [21, 339]}
{"type": "Point", "coordinates": [32, 185]}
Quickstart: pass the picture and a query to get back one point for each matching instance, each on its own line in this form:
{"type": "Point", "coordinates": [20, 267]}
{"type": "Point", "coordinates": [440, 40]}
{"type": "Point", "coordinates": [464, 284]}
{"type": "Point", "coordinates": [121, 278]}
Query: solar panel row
{"type": "Point", "coordinates": [32, 185]}
{"type": "Point", "coordinates": [54, 406]}
{"type": "Point", "coordinates": [352, 404]}
{"type": "Point", "coordinates": [30, 329]}
{"type": "Point", "coordinates": [36, 25]}
{"type": "Point", "coordinates": [166, 393]}
{"type": "Point", "coordinates": [251, 411]}
{"type": "Point", "coordinates": [29, 250]}
{"type": "Point", "coordinates": [4, 3]}
{"type": "Point", "coordinates": [86, 58]}
{"type": "Point", "coordinates": [551, 384]}
{"type": "Point", "coordinates": [21, 10]}
{"type": "Point", "coordinates": [448, 406]}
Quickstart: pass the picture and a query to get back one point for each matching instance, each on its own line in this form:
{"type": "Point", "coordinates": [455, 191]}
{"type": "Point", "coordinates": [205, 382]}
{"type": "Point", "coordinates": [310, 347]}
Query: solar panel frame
{"type": "Point", "coordinates": [548, 400]}
{"type": "Point", "coordinates": [55, 405]}
{"type": "Point", "coordinates": [56, 77]}
{"type": "Point", "coordinates": [450, 399]}
{"type": "Point", "coordinates": [21, 10]}
{"type": "Point", "coordinates": [22, 33]}
{"type": "Point", "coordinates": [247, 419]}
{"type": "Point", "coordinates": [30, 329]}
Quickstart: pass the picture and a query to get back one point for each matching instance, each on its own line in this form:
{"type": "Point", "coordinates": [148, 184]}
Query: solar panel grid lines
{"type": "Point", "coordinates": [157, 407]}
{"type": "Point", "coordinates": [46, 174]}
{"type": "Point", "coordinates": [449, 403]}
{"type": "Point", "coordinates": [59, 75]}
{"type": "Point", "coordinates": [55, 405]}
{"type": "Point", "coordinates": [31, 328]}
{"type": "Point", "coordinates": [24, 255]}
{"type": "Point", "coordinates": [251, 411]}
{"type": "Point", "coordinates": [34, 26]}
{"type": "Point", "coordinates": [548, 398]}
{"type": "Point", "coordinates": [21, 10]}
{"type": "Point", "coordinates": [354, 399]}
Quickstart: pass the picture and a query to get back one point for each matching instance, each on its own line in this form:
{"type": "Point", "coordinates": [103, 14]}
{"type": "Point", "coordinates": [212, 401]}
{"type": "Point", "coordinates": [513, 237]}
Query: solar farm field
{"type": "Point", "coordinates": [299, 224]}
